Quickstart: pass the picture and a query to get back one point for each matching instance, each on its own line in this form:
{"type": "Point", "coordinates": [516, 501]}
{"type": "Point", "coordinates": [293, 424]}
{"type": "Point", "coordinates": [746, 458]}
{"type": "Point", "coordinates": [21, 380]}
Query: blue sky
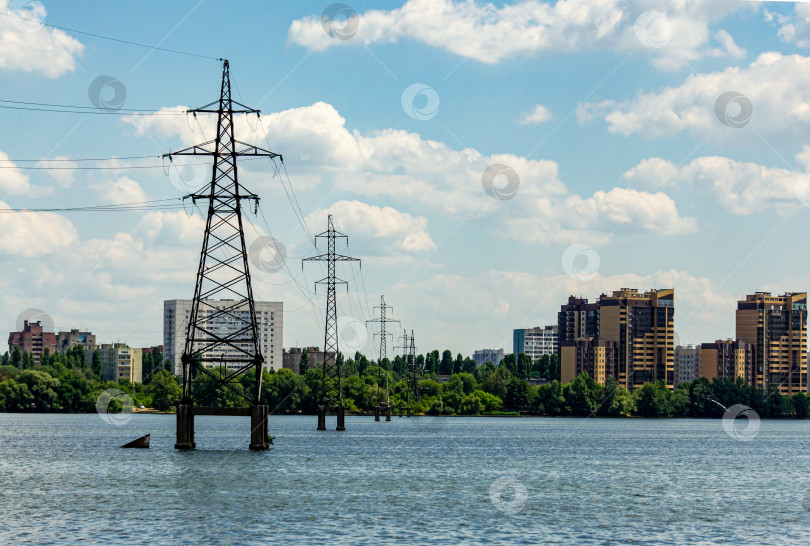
{"type": "Point", "coordinates": [605, 111]}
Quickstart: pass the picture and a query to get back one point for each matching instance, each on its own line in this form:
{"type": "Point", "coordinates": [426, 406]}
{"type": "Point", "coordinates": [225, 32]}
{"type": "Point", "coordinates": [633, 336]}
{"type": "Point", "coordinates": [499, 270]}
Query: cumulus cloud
{"type": "Point", "coordinates": [490, 34]}
{"type": "Point", "coordinates": [386, 224]}
{"type": "Point", "coordinates": [740, 187]}
{"type": "Point", "coordinates": [30, 234]}
{"type": "Point", "coordinates": [402, 166]}
{"type": "Point", "coordinates": [30, 47]}
{"type": "Point", "coordinates": [537, 115]}
{"type": "Point", "coordinates": [774, 86]}
{"type": "Point", "coordinates": [593, 220]}
{"type": "Point", "coordinates": [124, 190]}
{"type": "Point", "coordinates": [12, 180]}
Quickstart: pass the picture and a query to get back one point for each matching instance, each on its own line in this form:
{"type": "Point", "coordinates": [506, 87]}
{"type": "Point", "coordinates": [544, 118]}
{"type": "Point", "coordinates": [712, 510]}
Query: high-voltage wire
{"type": "Point", "coordinates": [118, 40]}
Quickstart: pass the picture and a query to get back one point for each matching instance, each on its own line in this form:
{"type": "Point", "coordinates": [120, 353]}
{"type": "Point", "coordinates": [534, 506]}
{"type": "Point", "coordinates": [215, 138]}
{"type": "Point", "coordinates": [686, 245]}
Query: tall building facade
{"type": "Point", "coordinates": [535, 342]}
{"type": "Point", "coordinates": [687, 364]}
{"type": "Point", "coordinates": [726, 359]}
{"type": "Point", "coordinates": [33, 339]}
{"type": "Point", "coordinates": [631, 334]}
{"type": "Point", "coordinates": [776, 329]}
{"type": "Point", "coordinates": [643, 328]}
{"type": "Point", "coordinates": [488, 355]}
{"type": "Point", "coordinates": [577, 319]}
{"type": "Point", "coordinates": [269, 315]}
{"type": "Point", "coordinates": [596, 357]}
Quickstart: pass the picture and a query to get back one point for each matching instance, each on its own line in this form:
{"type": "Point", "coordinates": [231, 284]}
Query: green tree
{"type": "Point", "coordinates": [801, 405]}
{"type": "Point", "coordinates": [446, 365]}
{"type": "Point", "coordinates": [164, 390]}
{"type": "Point", "coordinates": [582, 395]}
{"type": "Point", "coordinates": [303, 365]}
{"type": "Point", "coordinates": [96, 364]}
{"type": "Point", "coordinates": [653, 399]}
{"type": "Point", "coordinates": [16, 357]}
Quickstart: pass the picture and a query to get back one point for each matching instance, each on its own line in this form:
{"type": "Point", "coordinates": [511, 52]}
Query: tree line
{"type": "Point", "coordinates": [65, 382]}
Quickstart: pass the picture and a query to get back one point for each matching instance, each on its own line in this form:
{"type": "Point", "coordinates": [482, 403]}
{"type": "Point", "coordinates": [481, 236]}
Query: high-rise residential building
{"type": "Point", "coordinates": [687, 364]}
{"type": "Point", "coordinates": [776, 327]}
{"type": "Point", "coordinates": [643, 328]}
{"type": "Point", "coordinates": [118, 361]}
{"type": "Point", "coordinates": [488, 355]}
{"type": "Point", "coordinates": [577, 319]}
{"type": "Point", "coordinates": [596, 357]}
{"type": "Point", "coordinates": [726, 359]}
{"type": "Point", "coordinates": [33, 339]}
{"type": "Point", "coordinates": [68, 340]}
{"type": "Point", "coordinates": [269, 316]}
{"type": "Point", "coordinates": [535, 342]}
{"type": "Point", "coordinates": [631, 334]}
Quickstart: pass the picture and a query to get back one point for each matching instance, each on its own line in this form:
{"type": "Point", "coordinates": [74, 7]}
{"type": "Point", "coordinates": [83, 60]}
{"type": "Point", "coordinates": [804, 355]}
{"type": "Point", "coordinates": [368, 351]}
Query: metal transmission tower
{"type": "Point", "coordinates": [222, 339]}
{"type": "Point", "coordinates": [331, 394]}
{"type": "Point", "coordinates": [409, 356]}
{"type": "Point", "coordinates": [383, 320]}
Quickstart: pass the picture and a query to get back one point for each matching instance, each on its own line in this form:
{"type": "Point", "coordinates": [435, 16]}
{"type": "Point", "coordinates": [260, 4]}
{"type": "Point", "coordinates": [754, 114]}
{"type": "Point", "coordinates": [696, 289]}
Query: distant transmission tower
{"type": "Point", "coordinates": [223, 274]}
{"type": "Point", "coordinates": [411, 377]}
{"type": "Point", "coordinates": [331, 394]}
{"type": "Point", "coordinates": [414, 371]}
{"type": "Point", "coordinates": [383, 320]}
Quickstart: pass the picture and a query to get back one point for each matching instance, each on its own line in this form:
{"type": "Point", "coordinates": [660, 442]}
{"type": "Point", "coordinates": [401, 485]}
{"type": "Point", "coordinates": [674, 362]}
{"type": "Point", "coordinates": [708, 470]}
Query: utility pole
{"type": "Point", "coordinates": [331, 394]}
{"type": "Point", "coordinates": [383, 320]}
{"type": "Point", "coordinates": [212, 352]}
{"type": "Point", "coordinates": [414, 382]}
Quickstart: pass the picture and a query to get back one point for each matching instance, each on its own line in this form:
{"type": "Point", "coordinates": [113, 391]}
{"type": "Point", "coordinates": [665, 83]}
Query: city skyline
{"type": "Point", "coordinates": [665, 162]}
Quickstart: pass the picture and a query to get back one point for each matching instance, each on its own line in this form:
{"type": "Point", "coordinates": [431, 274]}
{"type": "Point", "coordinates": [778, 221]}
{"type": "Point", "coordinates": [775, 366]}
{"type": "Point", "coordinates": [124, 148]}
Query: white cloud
{"type": "Point", "coordinates": [29, 47]}
{"type": "Point", "coordinates": [539, 114]}
{"type": "Point", "coordinates": [740, 187]}
{"type": "Point", "coordinates": [122, 191]}
{"type": "Point", "coordinates": [12, 180]}
{"type": "Point", "coordinates": [402, 166]}
{"type": "Point", "coordinates": [31, 234]}
{"type": "Point", "coordinates": [386, 224]}
{"type": "Point", "coordinates": [704, 311]}
{"type": "Point", "coordinates": [774, 85]}
{"type": "Point", "coordinates": [492, 34]}
{"type": "Point", "coordinates": [593, 220]}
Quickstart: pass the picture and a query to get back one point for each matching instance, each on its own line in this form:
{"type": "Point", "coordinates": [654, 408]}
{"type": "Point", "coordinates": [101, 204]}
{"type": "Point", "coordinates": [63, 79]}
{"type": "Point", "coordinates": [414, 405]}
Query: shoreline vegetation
{"type": "Point", "coordinates": [66, 383]}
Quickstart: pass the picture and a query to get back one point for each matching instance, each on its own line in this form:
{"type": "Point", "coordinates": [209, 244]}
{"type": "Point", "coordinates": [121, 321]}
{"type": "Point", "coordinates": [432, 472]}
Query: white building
{"type": "Point", "coordinates": [687, 363]}
{"type": "Point", "coordinates": [488, 355]}
{"type": "Point", "coordinates": [536, 341]}
{"type": "Point", "coordinates": [269, 315]}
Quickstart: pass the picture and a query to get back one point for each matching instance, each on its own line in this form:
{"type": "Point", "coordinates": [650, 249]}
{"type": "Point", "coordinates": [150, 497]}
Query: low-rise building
{"type": "Point", "coordinates": [68, 340]}
{"type": "Point", "coordinates": [119, 361]}
{"type": "Point", "coordinates": [292, 358]}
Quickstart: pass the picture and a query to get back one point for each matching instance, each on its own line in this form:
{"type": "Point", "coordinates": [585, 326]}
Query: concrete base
{"type": "Point", "coordinates": [185, 427]}
{"type": "Point", "coordinates": [259, 436]}
{"type": "Point", "coordinates": [387, 413]}
{"type": "Point", "coordinates": [341, 418]}
{"type": "Point", "coordinates": [376, 413]}
{"type": "Point", "coordinates": [321, 417]}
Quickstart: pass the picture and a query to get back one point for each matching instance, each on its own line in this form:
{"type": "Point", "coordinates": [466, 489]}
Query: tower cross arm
{"type": "Point", "coordinates": [240, 149]}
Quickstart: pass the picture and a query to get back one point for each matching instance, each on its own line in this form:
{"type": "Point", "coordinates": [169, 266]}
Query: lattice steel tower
{"type": "Point", "coordinates": [222, 339]}
{"type": "Point", "coordinates": [331, 395]}
{"type": "Point", "coordinates": [382, 321]}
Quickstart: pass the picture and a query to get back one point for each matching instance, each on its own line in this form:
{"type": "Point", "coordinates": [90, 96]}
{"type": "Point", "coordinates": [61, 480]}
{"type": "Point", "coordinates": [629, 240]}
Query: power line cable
{"type": "Point", "coordinates": [127, 42]}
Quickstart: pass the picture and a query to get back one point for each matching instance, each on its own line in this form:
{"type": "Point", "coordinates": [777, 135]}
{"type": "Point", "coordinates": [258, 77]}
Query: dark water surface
{"type": "Point", "coordinates": [64, 479]}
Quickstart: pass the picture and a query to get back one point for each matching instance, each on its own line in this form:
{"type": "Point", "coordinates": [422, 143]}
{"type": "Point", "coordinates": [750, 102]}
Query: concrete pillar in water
{"type": "Point", "coordinates": [259, 439]}
{"type": "Point", "coordinates": [341, 418]}
{"type": "Point", "coordinates": [185, 427]}
{"type": "Point", "coordinates": [387, 413]}
{"type": "Point", "coordinates": [321, 417]}
{"type": "Point", "coordinates": [376, 413]}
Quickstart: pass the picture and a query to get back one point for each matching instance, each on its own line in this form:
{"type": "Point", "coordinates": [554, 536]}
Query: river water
{"type": "Point", "coordinates": [64, 479]}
